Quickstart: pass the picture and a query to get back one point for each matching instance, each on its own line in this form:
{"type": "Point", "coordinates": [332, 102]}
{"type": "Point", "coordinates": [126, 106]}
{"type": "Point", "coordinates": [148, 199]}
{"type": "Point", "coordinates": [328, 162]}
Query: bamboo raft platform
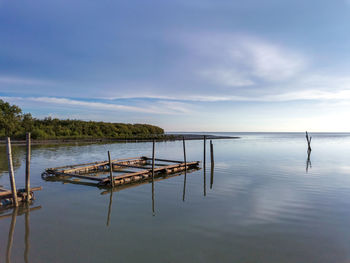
{"type": "Point", "coordinates": [118, 172]}
{"type": "Point", "coordinates": [6, 196]}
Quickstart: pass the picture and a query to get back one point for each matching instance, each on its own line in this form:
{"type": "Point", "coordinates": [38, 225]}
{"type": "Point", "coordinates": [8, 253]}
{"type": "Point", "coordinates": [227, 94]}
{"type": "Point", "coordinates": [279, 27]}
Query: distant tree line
{"type": "Point", "coordinates": [14, 123]}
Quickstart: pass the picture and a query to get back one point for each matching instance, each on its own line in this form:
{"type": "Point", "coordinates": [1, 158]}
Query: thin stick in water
{"type": "Point", "coordinates": [28, 166]}
{"type": "Point", "coordinates": [110, 169]}
{"type": "Point", "coordinates": [11, 172]}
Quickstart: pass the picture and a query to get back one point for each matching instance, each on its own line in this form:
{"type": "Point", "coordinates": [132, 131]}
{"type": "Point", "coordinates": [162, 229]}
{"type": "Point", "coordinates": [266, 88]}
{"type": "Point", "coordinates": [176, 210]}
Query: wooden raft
{"type": "Point", "coordinates": [125, 171]}
{"type": "Point", "coordinates": [6, 197]}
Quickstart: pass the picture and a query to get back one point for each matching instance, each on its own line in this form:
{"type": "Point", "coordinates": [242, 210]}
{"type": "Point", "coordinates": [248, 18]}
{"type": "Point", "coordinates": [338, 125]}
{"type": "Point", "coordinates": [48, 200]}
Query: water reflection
{"type": "Point", "coordinates": [18, 211]}
{"type": "Point", "coordinates": [109, 207]}
{"type": "Point", "coordinates": [211, 176]}
{"type": "Point", "coordinates": [308, 161]}
{"type": "Point", "coordinates": [184, 188]}
{"type": "Point", "coordinates": [18, 154]}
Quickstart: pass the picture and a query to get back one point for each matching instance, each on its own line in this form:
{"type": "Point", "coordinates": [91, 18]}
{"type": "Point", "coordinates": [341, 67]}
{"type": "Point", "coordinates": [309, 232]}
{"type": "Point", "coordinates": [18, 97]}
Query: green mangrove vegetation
{"type": "Point", "coordinates": [14, 123]}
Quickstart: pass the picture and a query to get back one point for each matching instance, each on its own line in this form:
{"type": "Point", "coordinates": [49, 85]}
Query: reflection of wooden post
{"type": "Point", "coordinates": [26, 237]}
{"type": "Point", "coordinates": [308, 139]}
{"type": "Point", "coordinates": [28, 166]}
{"type": "Point", "coordinates": [11, 172]}
{"type": "Point", "coordinates": [211, 176]}
{"type": "Point", "coordinates": [110, 207]}
{"type": "Point", "coordinates": [110, 169]}
{"type": "Point", "coordinates": [10, 237]}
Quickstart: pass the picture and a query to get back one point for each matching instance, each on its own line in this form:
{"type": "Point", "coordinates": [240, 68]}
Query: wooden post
{"type": "Point", "coordinates": [204, 150]}
{"type": "Point", "coordinates": [211, 153]}
{"type": "Point", "coordinates": [204, 162]}
{"type": "Point", "coordinates": [28, 166]}
{"type": "Point", "coordinates": [110, 169]}
{"type": "Point", "coordinates": [184, 147]}
{"type": "Point", "coordinates": [212, 164]}
{"type": "Point", "coordinates": [308, 139]}
{"type": "Point", "coordinates": [153, 160]}
{"type": "Point", "coordinates": [184, 189]}
{"type": "Point", "coordinates": [11, 172]}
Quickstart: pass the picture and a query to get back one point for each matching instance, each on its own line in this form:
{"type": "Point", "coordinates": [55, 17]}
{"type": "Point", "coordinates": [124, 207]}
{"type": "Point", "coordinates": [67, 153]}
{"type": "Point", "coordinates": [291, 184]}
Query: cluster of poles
{"type": "Point", "coordinates": [27, 196]}
{"type": "Point", "coordinates": [185, 162]}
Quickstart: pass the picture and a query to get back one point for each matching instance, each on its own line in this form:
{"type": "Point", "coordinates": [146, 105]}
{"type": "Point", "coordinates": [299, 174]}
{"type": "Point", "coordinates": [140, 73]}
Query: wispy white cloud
{"type": "Point", "coordinates": [155, 108]}
{"type": "Point", "coordinates": [234, 60]}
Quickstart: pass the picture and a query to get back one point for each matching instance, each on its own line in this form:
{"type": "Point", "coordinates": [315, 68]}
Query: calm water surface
{"type": "Point", "coordinates": [263, 205]}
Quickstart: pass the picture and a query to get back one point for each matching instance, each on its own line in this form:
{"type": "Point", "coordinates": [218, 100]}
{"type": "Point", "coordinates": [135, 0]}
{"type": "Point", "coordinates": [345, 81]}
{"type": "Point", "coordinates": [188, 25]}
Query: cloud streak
{"type": "Point", "coordinates": [157, 108]}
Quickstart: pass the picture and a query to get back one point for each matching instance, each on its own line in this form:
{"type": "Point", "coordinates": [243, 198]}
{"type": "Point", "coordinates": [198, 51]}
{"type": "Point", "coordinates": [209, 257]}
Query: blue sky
{"type": "Point", "coordinates": [185, 65]}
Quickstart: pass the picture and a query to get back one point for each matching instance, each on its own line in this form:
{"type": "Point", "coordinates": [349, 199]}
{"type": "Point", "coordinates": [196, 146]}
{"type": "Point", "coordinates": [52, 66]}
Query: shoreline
{"type": "Point", "coordinates": [171, 137]}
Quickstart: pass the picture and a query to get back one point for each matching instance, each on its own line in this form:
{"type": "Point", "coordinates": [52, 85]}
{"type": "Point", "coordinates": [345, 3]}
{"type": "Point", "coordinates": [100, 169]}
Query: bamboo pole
{"type": "Point", "coordinates": [185, 177]}
{"type": "Point", "coordinates": [211, 153]}
{"type": "Point", "coordinates": [204, 175]}
{"type": "Point", "coordinates": [110, 169]}
{"type": "Point", "coordinates": [184, 147]}
{"type": "Point", "coordinates": [11, 172]}
{"type": "Point", "coordinates": [204, 150]}
{"type": "Point", "coordinates": [153, 147]}
{"type": "Point", "coordinates": [153, 154]}
{"type": "Point", "coordinates": [28, 165]}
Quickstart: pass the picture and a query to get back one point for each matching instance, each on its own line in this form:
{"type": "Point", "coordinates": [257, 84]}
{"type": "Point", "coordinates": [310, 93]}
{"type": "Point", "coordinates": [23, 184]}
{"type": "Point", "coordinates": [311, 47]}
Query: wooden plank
{"type": "Point", "coordinates": [99, 164]}
{"type": "Point", "coordinates": [164, 160]}
{"type": "Point", "coordinates": [78, 176]}
{"type": "Point", "coordinates": [128, 166]}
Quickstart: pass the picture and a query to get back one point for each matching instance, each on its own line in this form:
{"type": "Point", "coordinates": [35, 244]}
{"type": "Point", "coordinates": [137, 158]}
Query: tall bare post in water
{"type": "Point", "coordinates": [185, 161]}
{"type": "Point", "coordinates": [28, 166]}
{"type": "Point", "coordinates": [153, 159]}
{"type": "Point", "coordinates": [110, 169]}
{"type": "Point", "coordinates": [211, 153]}
{"type": "Point", "coordinates": [204, 162]}
{"type": "Point", "coordinates": [204, 149]}
{"type": "Point", "coordinates": [11, 172]}
{"type": "Point", "coordinates": [308, 139]}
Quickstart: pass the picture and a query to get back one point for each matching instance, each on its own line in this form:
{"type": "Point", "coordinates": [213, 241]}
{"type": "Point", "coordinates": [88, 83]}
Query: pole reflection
{"type": "Point", "coordinates": [18, 211]}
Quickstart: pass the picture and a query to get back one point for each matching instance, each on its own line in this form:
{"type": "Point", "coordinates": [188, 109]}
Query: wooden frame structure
{"type": "Point", "coordinates": [123, 171]}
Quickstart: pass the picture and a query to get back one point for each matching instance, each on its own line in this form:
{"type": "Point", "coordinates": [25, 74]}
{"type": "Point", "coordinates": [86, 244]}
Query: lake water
{"type": "Point", "coordinates": [263, 205]}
